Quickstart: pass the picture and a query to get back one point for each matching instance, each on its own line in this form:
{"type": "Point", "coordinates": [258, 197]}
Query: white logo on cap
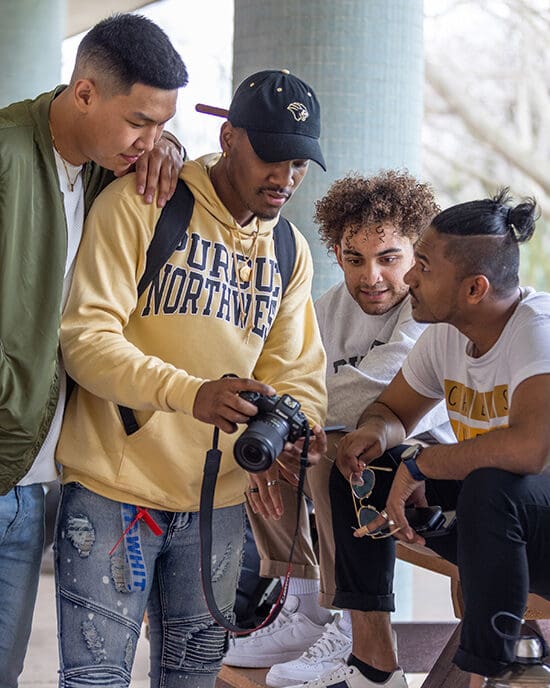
{"type": "Point", "coordinates": [299, 111]}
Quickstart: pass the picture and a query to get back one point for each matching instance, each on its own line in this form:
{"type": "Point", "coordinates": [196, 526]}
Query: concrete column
{"type": "Point", "coordinates": [31, 34]}
{"type": "Point", "coordinates": [364, 59]}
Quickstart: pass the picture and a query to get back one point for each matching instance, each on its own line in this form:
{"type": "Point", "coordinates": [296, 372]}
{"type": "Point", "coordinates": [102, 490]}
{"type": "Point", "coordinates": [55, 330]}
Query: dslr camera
{"type": "Point", "coordinates": [278, 420]}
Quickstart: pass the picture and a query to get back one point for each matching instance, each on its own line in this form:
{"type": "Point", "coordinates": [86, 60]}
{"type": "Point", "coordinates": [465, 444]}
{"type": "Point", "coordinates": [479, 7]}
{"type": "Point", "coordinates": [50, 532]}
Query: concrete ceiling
{"type": "Point", "coordinates": [83, 14]}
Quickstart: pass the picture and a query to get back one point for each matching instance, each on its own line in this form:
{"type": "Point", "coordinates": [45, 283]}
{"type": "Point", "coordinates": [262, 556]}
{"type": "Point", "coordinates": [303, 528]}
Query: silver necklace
{"type": "Point", "coordinates": [71, 182]}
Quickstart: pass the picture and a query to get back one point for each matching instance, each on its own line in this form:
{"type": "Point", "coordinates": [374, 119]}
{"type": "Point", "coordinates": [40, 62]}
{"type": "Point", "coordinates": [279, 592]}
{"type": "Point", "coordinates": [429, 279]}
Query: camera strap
{"type": "Point", "coordinates": [211, 469]}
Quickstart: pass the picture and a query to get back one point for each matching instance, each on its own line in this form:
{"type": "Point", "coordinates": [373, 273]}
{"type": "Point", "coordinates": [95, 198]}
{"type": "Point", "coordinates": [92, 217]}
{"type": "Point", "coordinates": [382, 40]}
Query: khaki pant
{"type": "Point", "coordinates": [274, 538]}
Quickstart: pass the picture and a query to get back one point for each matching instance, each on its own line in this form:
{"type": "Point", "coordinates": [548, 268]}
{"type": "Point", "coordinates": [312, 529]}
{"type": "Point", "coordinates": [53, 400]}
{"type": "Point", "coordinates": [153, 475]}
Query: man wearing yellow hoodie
{"type": "Point", "coordinates": [127, 537]}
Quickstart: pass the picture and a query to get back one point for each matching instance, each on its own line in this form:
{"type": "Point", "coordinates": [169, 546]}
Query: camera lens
{"type": "Point", "coordinates": [261, 443]}
{"type": "Point", "coordinates": [253, 455]}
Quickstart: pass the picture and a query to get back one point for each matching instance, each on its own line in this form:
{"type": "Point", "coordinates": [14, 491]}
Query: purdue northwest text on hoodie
{"type": "Point", "coordinates": [196, 322]}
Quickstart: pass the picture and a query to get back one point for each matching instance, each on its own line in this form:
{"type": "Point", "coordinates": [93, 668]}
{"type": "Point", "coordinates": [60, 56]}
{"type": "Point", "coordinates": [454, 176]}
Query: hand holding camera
{"type": "Point", "coordinates": [279, 420]}
{"type": "Point", "coordinates": [218, 401]}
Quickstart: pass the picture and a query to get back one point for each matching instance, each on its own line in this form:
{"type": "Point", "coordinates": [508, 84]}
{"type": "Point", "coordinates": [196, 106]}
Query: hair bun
{"type": "Point", "coordinates": [520, 220]}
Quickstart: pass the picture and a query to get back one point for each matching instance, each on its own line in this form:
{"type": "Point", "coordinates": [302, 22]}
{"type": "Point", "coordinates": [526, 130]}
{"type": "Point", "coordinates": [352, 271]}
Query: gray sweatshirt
{"type": "Point", "coordinates": [364, 352]}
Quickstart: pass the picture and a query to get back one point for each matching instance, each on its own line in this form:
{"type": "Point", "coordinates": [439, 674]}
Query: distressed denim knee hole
{"type": "Point", "coordinates": [79, 531]}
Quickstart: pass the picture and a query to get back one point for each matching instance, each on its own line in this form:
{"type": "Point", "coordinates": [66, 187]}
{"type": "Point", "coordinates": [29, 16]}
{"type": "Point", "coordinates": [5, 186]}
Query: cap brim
{"type": "Point", "coordinates": [278, 147]}
{"type": "Point", "coordinates": [211, 110]}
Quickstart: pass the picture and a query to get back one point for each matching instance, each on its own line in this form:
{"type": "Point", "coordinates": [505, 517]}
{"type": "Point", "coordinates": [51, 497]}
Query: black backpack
{"type": "Point", "coordinates": [171, 225]}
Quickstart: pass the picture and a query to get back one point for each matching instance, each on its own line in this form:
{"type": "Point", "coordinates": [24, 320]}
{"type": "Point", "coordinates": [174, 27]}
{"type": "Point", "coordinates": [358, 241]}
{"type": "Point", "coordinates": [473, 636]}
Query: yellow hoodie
{"type": "Point", "coordinates": [195, 323]}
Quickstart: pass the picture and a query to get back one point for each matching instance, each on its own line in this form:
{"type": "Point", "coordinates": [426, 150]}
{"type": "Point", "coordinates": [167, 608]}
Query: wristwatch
{"type": "Point", "coordinates": [410, 457]}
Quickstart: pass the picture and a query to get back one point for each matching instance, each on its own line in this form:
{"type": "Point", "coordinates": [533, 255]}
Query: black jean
{"type": "Point", "coordinates": [501, 545]}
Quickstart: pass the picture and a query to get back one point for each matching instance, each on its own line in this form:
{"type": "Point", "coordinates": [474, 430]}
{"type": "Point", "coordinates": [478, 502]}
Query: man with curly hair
{"type": "Point", "coordinates": [371, 225]}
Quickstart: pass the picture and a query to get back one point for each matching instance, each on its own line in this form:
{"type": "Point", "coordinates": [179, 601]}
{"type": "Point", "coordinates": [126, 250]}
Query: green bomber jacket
{"type": "Point", "coordinates": [33, 248]}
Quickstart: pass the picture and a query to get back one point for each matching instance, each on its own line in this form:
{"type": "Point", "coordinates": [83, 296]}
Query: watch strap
{"type": "Point", "coordinates": [412, 467]}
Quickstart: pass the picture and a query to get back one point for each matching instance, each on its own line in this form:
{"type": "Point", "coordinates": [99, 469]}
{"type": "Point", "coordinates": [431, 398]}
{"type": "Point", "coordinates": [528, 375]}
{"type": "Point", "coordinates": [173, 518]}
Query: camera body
{"type": "Point", "coordinates": [279, 420]}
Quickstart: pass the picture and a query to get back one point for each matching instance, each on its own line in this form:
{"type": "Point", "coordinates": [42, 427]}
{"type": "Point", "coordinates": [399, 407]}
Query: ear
{"type": "Point", "coordinates": [477, 288]}
{"type": "Point", "coordinates": [338, 253]}
{"type": "Point", "coordinates": [84, 93]}
{"type": "Point", "coordinates": [227, 134]}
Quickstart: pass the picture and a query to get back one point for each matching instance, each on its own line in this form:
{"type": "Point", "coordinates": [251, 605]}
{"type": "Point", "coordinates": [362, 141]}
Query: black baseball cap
{"type": "Point", "coordinates": [281, 115]}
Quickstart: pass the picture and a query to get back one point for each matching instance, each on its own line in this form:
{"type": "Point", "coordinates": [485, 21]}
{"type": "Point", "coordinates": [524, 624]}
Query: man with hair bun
{"type": "Point", "coordinates": [57, 152]}
{"type": "Point", "coordinates": [487, 355]}
{"type": "Point", "coordinates": [371, 224]}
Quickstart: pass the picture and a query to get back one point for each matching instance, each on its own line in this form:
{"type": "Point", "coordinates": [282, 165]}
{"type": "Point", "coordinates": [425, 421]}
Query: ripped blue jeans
{"type": "Point", "coordinates": [102, 598]}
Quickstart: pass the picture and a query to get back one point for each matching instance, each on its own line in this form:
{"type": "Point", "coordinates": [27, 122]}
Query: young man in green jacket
{"type": "Point", "coordinates": [56, 153]}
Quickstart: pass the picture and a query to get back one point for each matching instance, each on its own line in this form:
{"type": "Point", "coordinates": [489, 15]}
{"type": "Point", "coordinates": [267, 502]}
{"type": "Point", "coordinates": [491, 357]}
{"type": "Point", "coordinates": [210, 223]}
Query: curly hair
{"type": "Point", "coordinates": [355, 201]}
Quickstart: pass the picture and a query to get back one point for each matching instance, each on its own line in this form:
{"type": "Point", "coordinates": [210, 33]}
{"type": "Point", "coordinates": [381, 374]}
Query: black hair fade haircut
{"type": "Point", "coordinates": [494, 229]}
{"type": "Point", "coordinates": [128, 49]}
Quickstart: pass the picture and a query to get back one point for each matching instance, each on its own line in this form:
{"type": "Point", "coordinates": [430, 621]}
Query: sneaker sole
{"type": "Point", "coordinates": [284, 682]}
{"type": "Point", "coordinates": [280, 682]}
{"type": "Point", "coordinates": [261, 662]}
{"type": "Point", "coordinates": [278, 679]}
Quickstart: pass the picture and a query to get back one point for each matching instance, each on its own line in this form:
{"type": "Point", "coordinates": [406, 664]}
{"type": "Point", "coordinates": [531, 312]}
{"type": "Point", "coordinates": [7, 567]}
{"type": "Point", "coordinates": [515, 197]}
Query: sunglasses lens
{"type": "Point", "coordinates": [365, 489]}
{"type": "Point", "coordinates": [366, 515]}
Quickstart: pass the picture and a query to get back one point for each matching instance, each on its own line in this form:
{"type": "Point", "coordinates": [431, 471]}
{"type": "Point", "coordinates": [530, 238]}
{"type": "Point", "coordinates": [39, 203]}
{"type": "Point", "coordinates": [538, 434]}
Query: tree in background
{"type": "Point", "coordinates": [487, 97]}
{"type": "Point", "coordinates": [487, 107]}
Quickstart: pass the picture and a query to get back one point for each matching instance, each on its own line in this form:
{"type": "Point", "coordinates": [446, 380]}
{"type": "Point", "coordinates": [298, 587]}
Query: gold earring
{"type": "Point", "coordinates": [224, 155]}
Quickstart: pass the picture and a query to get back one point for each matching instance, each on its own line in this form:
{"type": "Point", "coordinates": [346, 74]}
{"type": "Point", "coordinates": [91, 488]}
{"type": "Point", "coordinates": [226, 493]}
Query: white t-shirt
{"type": "Point", "coordinates": [478, 392]}
{"type": "Point", "coordinates": [43, 469]}
{"type": "Point", "coordinates": [364, 352]}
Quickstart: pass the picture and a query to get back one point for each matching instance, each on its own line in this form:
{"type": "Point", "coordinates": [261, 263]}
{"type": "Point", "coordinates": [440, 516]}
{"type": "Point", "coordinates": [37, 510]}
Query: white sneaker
{"type": "Point", "coordinates": [322, 657]}
{"type": "Point", "coordinates": [351, 677]}
{"type": "Point", "coordinates": [283, 640]}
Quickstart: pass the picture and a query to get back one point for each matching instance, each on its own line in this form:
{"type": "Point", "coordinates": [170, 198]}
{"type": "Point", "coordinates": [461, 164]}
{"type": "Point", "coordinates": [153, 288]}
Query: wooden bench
{"type": "Point", "coordinates": [444, 674]}
{"type": "Point", "coordinates": [235, 677]}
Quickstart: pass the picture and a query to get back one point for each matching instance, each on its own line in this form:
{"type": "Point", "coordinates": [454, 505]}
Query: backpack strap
{"type": "Point", "coordinates": [285, 250]}
{"type": "Point", "coordinates": [170, 228]}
